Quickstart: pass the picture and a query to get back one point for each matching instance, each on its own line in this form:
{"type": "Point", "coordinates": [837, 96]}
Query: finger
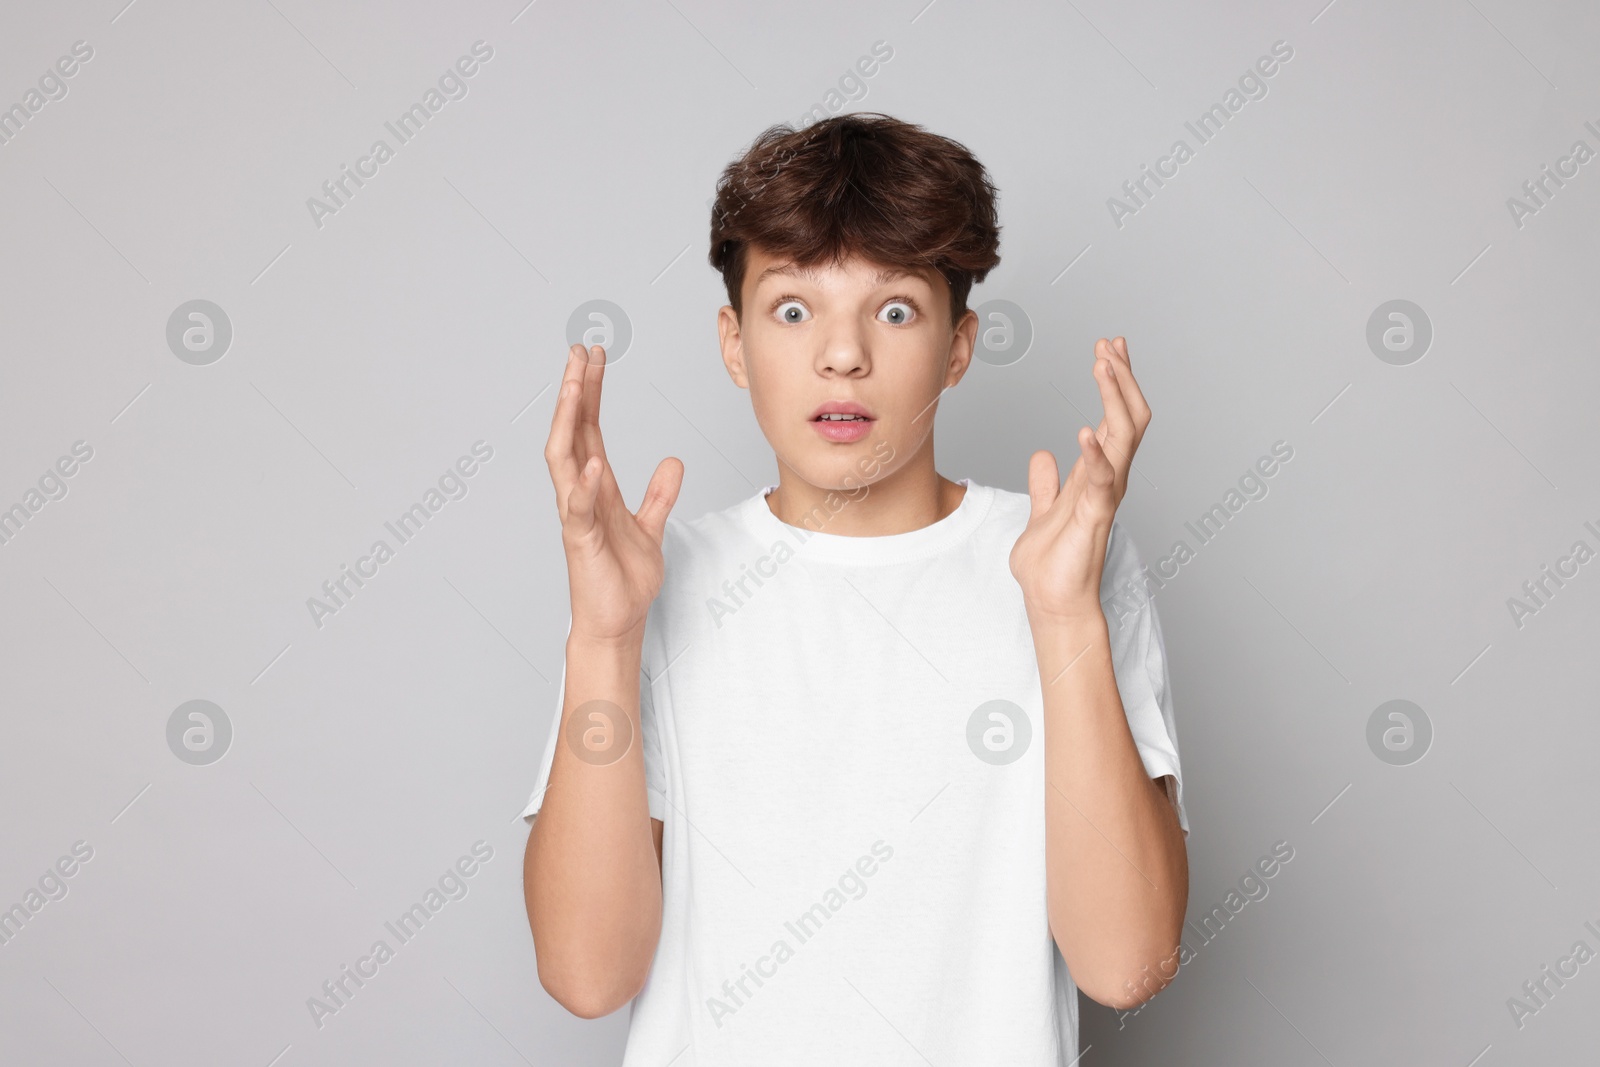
{"type": "Point", "coordinates": [1118, 419]}
{"type": "Point", "coordinates": [659, 496]}
{"type": "Point", "coordinates": [1120, 435]}
{"type": "Point", "coordinates": [1137, 407]}
{"type": "Point", "coordinates": [594, 373]}
{"type": "Point", "coordinates": [1091, 518]}
{"type": "Point", "coordinates": [1061, 509]}
{"type": "Point", "coordinates": [1098, 467]}
{"type": "Point", "coordinates": [1043, 484]}
{"type": "Point", "coordinates": [1097, 503]}
{"type": "Point", "coordinates": [1109, 351]}
{"type": "Point", "coordinates": [562, 452]}
{"type": "Point", "coordinates": [580, 518]}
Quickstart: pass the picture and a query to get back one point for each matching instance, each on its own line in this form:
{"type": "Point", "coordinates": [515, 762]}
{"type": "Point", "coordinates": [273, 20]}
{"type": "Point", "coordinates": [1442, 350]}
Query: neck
{"type": "Point", "coordinates": [908, 499]}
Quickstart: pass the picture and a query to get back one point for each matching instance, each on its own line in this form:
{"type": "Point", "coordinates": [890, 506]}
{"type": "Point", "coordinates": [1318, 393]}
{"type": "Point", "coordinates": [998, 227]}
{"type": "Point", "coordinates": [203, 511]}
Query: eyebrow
{"type": "Point", "coordinates": [793, 270]}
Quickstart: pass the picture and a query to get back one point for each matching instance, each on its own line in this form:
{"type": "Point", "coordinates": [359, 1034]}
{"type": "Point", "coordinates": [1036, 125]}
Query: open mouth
{"type": "Point", "coordinates": [842, 422]}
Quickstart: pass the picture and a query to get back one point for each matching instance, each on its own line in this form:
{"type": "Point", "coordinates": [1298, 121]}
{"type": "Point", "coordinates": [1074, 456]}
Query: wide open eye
{"type": "Point", "coordinates": [792, 311]}
{"type": "Point", "coordinates": [898, 312]}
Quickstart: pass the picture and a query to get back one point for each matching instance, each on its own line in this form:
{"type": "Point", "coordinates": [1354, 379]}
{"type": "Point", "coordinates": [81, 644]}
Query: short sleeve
{"type": "Point", "coordinates": [650, 736]}
{"type": "Point", "coordinates": [1139, 658]}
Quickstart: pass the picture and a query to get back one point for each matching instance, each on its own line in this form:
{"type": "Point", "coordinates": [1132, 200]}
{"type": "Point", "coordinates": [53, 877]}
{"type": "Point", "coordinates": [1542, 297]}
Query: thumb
{"type": "Point", "coordinates": [1044, 483]}
{"type": "Point", "coordinates": [659, 496]}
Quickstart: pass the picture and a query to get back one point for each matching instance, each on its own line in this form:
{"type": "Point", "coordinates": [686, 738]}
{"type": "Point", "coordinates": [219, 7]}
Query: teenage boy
{"type": "Point", "coordinates": [856, 770]}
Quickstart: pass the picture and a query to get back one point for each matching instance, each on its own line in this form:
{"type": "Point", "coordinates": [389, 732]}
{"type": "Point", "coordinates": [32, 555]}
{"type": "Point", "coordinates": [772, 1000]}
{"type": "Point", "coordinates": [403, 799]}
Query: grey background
{"type": "Point", "coordinates": [429, 313]}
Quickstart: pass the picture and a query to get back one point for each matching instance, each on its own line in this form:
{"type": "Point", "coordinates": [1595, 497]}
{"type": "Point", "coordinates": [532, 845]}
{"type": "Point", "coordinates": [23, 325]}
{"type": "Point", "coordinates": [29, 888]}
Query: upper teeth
{"type": "Point", "coordinates": [833, 417]}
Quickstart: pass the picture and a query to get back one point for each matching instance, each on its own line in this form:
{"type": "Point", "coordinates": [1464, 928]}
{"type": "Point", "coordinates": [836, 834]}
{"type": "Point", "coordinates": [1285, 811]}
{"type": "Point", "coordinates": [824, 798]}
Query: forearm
{"type": "Point", "coordinates": [1116, 864]}
{"type": "Point", "coordinates": [591, 876]}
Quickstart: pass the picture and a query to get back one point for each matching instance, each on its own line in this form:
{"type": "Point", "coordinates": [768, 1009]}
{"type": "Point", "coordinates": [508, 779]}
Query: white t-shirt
{"type": "Point", "coordinates": [842, 736]}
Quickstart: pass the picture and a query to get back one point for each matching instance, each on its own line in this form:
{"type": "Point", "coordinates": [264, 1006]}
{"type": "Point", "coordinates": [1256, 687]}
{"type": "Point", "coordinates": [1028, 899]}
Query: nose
{"type": "Point", "coordinates": [844, 351]}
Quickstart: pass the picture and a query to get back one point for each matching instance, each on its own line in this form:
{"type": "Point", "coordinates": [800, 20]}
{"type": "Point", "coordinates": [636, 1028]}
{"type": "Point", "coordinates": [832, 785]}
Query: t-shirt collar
{"type": "Point", "coordinates": [814, 543]}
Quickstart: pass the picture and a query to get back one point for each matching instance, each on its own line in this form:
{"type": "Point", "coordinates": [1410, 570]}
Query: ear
{"type": "Point", "coordinates": [732, 342]}
{"type": "Point", "coordinates": [963, 339]}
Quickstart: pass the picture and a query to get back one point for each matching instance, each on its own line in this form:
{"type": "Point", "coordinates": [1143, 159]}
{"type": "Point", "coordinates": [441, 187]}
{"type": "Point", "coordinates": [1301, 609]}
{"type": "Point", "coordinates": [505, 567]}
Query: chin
{"type": "Point", "coordinates": [844, 468]}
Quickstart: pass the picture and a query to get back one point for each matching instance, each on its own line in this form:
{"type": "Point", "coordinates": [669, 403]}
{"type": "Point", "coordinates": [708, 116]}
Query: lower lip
{"type": "Point", "coordinates": [849, 430]}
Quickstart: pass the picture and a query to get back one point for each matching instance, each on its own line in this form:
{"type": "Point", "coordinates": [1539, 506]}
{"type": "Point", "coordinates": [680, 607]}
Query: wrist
{"type": "Point", "coordinates": [631, 640]}
{"type": "Point", "coordinates": [1083, 619]}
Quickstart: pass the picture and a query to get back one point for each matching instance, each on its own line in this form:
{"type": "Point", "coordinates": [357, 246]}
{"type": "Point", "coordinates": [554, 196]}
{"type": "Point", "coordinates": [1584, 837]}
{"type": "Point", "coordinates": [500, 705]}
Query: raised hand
{"type": "Point", "coordinates": [1060, 556]}
{"type": "Point", "coordinates": [614, 559]}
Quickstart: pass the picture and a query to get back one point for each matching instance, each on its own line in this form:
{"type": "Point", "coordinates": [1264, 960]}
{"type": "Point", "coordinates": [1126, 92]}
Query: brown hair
{"type": "Point", "coordinates": [860, 183]}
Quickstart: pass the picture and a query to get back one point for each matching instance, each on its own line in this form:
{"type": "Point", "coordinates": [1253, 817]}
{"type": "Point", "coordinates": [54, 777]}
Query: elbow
{"type": "Point", "coordinates": [1132, 982]}
{"type": "Point", "coordinates": [588, 997]}
{"type": "Point", "coordinates": [590, 980]}
{"type": "Point", "coordinates": [586, 1005]}
{"type": "Point", "coordinates": [1131, 993]}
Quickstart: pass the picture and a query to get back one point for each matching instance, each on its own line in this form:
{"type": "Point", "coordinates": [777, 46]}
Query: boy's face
{"type": "Point", "coordinates": [850, 335]}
